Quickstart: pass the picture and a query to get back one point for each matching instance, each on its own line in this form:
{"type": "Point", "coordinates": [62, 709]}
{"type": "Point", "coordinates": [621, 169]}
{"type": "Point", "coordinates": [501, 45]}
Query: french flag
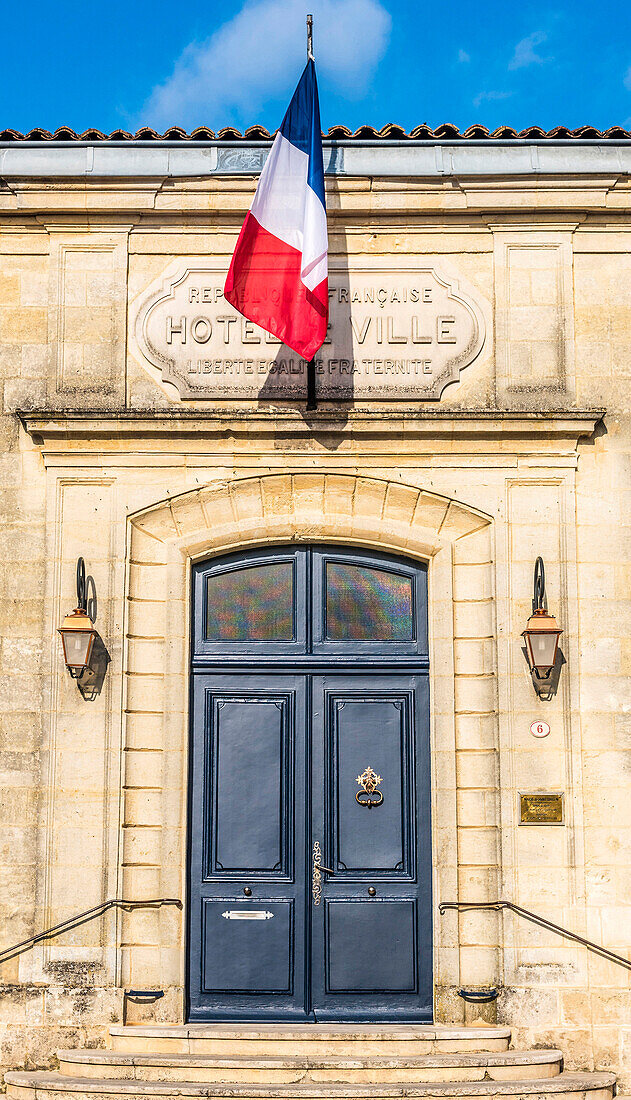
{"type": "Point", "coordinates": [278, 276]}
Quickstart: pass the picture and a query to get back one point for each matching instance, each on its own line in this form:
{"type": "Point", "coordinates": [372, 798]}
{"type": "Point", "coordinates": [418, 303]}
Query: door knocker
{"type": "Point", "coordinates": [369, 795]}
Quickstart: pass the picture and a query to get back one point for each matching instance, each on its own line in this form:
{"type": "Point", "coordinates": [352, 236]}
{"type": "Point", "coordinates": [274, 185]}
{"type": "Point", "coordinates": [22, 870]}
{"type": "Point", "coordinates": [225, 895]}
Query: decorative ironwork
{"type": "Point", "coordinates": [369, 795]}
{"type": "Point", "coordinates": [316, 882]}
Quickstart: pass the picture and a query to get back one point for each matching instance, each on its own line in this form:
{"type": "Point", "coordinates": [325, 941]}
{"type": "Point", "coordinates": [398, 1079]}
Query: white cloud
{"type": "Point", "coordinates": [627, 78]}
{"type": "Point", "coordinates": [463, 57]}
{"type": "Point", "coordinates": [525, 51]}
{"type": "Point", "coordinates": [488, 97]}
{"type": "Point", "coordinates": [258, 55]}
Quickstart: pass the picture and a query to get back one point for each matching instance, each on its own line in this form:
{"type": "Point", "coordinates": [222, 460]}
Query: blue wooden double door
{"type": "Point", "coordinates": [309, 812]}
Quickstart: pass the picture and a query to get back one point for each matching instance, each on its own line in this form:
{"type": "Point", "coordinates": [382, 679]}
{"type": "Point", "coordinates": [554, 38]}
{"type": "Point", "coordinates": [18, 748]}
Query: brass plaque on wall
{"type": "Point", "coordinates": [541, 808]}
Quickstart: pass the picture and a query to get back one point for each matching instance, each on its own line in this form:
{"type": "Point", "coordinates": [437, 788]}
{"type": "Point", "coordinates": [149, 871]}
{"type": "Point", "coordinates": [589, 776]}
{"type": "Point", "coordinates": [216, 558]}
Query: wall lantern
{"type": "Point", "coordinates": [77, 630]}
{"type": "Point", "coordinates": [542, 633]}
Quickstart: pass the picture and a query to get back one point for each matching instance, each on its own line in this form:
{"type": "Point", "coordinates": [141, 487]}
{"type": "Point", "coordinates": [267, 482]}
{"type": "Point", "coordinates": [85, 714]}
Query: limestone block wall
{"type": "Point", "coordinates": [381, 510]}
{"type": "Point", "coordinates": [94, 795]}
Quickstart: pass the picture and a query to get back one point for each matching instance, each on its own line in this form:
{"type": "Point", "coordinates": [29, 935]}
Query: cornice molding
{"type": "Point", "coordinates": [79, 430]}
{"type": "Point", "coordinates": [219, 200]}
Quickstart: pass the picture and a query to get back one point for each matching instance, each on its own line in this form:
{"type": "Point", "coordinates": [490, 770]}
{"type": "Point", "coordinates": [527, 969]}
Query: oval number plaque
{"type": "Point", "coordinates": [539, 729]}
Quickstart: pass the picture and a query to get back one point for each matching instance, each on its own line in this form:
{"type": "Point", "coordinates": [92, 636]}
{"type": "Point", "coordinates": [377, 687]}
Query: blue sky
{"type": "Point", "coordinates": [131, 62]}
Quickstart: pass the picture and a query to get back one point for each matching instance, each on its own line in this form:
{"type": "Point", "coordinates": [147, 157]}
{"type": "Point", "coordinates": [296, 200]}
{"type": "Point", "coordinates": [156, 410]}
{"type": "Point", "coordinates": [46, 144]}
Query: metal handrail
{"type": "Point", "coordinates": [83, 918]}
{"type": "Point", "coordinates": [464, 906]}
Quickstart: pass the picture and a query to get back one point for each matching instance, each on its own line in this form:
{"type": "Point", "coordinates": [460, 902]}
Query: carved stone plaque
{"type": "Point", "coordinates": [541, 808]}
{"type": "Point", "coordinates": [393, 335]}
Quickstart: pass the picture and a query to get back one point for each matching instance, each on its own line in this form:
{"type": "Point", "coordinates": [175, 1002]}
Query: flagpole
{"type": "Point", "coordinates": [312, 400]}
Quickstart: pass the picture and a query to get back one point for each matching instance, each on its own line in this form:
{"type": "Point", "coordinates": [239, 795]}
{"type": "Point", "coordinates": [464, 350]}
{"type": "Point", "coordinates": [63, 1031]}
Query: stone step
{"type": "Point", "coordinates": [40, 1085]}
{"type": "Point", "coordinates": [376, 1069]}
{"type": "Point", "coordinates": [315, 1040]}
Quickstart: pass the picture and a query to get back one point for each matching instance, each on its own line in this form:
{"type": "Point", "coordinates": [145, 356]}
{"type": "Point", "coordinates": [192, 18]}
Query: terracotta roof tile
{"type": "Point", "coordinates": [476, 131]}
{"type": "Point", "coordinates": [146, 134]}
{"type": "Point", "coordinates": [393, 132]}
{"type": "Point", "coordinates": [257, 133]}
{"type": "Point", "coordinates": [422, 132]}
{"type": "Point", "coordinates": [534, 133]}
{"type": "Point", "coordinates": [44, 135]}
{"type": "Point", "coordinates": [390, 132]}
{"type": "Point", "coordinates": [228, 133]}
{"type": "Point", "coordinates": [176, 133]}
{"type": "Point", "coordinates": [447, 130]}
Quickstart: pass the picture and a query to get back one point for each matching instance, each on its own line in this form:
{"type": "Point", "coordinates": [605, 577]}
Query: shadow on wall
{"type": "Point", "coordinates": [546, 686]}
{"type": "Point", "coordinates": [90, 682]}
{"type": "Point", "coordinates": [287, 379]}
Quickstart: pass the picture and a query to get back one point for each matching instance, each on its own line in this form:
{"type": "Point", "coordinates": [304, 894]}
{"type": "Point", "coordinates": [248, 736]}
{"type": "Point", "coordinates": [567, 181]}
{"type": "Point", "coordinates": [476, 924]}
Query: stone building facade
{"type": "Point", "coordinates": [473, 414]}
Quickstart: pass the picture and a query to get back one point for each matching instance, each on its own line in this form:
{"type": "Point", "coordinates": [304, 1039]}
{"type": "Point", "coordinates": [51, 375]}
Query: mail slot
{"type": "Point", "coordinates": [247, 914]}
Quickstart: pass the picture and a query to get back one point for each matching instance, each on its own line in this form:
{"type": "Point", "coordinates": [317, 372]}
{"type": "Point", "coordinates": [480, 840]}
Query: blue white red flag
{"type": "Point", "coordinates": [278, 276]}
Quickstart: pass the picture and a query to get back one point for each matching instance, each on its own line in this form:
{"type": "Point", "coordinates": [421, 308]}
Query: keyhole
{"type": "Point", "coordinates": [247, 890]}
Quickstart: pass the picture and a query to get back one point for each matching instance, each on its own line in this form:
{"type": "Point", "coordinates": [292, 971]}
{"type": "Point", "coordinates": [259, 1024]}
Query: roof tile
{"type": "Point", "coordinates": [390, 132]}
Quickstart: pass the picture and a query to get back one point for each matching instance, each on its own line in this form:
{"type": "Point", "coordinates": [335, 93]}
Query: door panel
{"type": "Point", "coordinates": [370, 731]}
{"type": "Point", "coordinates": [248, 833]}
{"type": "Point", "coordinates": [372, 953]}
{"type": "Point", "coordinates": [248, 766]}
{"type": "Point", "coordinates": [248, 948]}
{"type": "Point", "coordinates": [371, 946]}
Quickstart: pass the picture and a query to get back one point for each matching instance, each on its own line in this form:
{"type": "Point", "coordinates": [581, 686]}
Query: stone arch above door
{"type": "Point", "coordinates": [307, 507]}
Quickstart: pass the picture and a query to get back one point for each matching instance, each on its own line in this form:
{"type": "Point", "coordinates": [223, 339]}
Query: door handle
{"type": "Point", "coordinates": [317, 856]}
{"type": "Point", "coordinates": [316, 876]}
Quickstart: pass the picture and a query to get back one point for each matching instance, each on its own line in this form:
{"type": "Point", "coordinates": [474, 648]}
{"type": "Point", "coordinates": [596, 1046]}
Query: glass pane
{"type": "Point", "coordinates": [253, 604]}
{"type": "Point", "coordinates": [364, 604]}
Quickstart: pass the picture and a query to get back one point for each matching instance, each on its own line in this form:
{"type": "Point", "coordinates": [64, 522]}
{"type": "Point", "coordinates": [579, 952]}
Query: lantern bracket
{"type": "Point", "coordinates": [539, 602]}
{"type": "Point", "coordinates": [81, 586]}
{"type": "Point", "coordinates": [86, 591]}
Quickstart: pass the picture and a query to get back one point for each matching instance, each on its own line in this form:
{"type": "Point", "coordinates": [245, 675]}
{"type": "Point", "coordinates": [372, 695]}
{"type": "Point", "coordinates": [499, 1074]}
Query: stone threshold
{"type": "Point", "coordinates": [572, 1084]}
